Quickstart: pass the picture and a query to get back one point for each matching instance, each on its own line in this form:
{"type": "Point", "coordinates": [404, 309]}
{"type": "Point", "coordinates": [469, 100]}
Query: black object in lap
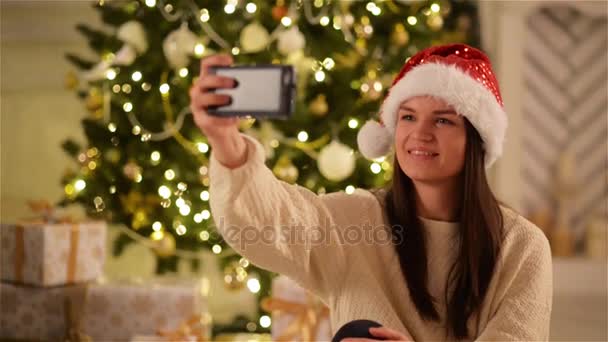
{"type": "Point", "coordinates": [357, 328]}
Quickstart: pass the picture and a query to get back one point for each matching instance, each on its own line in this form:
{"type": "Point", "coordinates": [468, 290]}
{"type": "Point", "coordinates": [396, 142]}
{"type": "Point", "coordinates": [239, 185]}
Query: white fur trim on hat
{"type": "Point", "coordinates": [468, 97]}
{"type": "Point", "coordinates": [374, 140]}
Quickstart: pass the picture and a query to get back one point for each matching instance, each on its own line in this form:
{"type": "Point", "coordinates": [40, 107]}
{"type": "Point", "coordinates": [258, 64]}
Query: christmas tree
{"type": "Point", "coordinates": [145, 164]}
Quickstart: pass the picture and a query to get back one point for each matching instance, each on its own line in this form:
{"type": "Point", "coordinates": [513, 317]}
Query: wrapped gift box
{"type": "Point", "coordinates": [48, 254]}
{"type": "Point", "coordinates": [104, 310]}
{"type": "Point", "coordinates": [291, 306]}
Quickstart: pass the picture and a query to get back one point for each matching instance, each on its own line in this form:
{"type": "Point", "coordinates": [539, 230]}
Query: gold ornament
{"type": "Point", "coordinates": [165, 246]}
{"type": "Point", "coordinates": [318, 106]}
{"type": "Point", "coordinates": [285, 170]}
{"type": "Point", "coordinates": [94, 100]}
{"type": "Point", "coordinates": [235, 276]}
{"type": "Point", "coordinates": [71, 80]}
{"type": "Point", "coordinates": [400, 35]}
{"type": "Point", "coordinates": [435, 22]}
{"type": "Point", "coordinates": [132, 170]}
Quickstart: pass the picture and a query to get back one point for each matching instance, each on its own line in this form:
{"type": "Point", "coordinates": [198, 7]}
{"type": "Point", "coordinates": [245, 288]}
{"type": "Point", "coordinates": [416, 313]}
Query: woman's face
{"type": "Point", "coordinates": [430, 140]}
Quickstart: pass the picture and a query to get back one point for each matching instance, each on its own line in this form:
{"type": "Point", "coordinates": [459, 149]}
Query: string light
{"type": "Point", "coordinates": [126, 88]}
{"type": "Point", "coordinates": [127, 107]}
{"type": "Point", "coordinates": [112, 189]}
{"type": "Point", "coordinates": [206, 214]}
{"type": "Point", "coordinates": [136, 76]}
{"type": "Point", "coordinates": [136, 130]}
{"type": "Point", "coordinates": [112, 127]}
{"type": "Point", "coordinates": [157, 226]}
{"type": "Point", "coordinates": [412, 20]}
{"type": "Point", "coordinates": [302, 136]}
{"type": "Point", "coordinates": [198, 218]}
{"type": "Point", "coordinates": [253, 285]}
{"type": "Point", "coordinates": [229, 8]}
{"type": "Point", "coordinates": [199, 49]}
{"type": "Point", "coordinates": [320, 76]}
{"type": "Point", "coordinates": [138, 178]}
{"type": "Point", "coordinates": [202, 147]}
{"type": "Point", "coordinates": [204, 17]}
{"type": "Point", "coordinates": [286, 21]}
{"type": "Point", "coordinates": [353, 123]}
{"type": "Point", "coordinates": [349, 189]}
{"type": "Point", "coordinates": [183, 72]}
{"type": "Point", "coordinates": [217, 249]}
{"type": "Point", "coordinates": [205, 195]}
{"type": "Point", "coordinates": [251, 7]}
{"type": "Point", "coordinates": [337, 23]}
{"type": "Point", "coordinates": [79, 185]}
{"type": "Point", "coordinates": [184, 210]}
{"type": "Point", "coordinates": [151, 3]}
{"type": "Point", "coordinates": [164, 191]}
{"type": "Point", "coordinates": [181, 230]}
{"type": "Point", "coordinates": [157, 235]}
{"type": "Point", "coordinates": [235, 51]}
{"type": "Point", "coordinates": [376, 168]}
{"type": "Point", "coordinates": [164, 88]}
{"type": "Point", "coordinates": [265, 321]}
{"type": "Point", "coordinates": [328, 63]}
{"type": "Point", "coordinates": [116, 88]}
{"type": "Point", "coordinates": [146, 86]}
{"type": "Point", "coordinates": [324, 21]}
{"type": "Point", "coordinates": [155, 156]}
{"type": "Point", "coordinates": [204, 235]}
{"type": "Point", "coordinates": [435, 8]}
{"type": "Point", "coordinates": [169, 174]}
{"type": "Point", "coordinates": [180, 202]}
{"type": "Point", "coordinates": [111, 74]}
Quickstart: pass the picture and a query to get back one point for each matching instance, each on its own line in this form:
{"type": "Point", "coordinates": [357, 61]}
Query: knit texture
{"type": "Point", "coordinates": [337, 246]}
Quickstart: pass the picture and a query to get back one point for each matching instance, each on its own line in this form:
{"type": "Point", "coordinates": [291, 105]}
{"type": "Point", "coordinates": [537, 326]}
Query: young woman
{"type": "Point", "coordinates": [456, 266]}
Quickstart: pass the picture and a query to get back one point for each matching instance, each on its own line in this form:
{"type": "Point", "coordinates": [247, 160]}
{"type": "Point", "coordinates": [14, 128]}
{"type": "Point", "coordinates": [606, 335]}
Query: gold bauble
{"type": "Point", "coordinates": [400, 35]}
{"type": "Point", "coordinates": [71, 80]}
{"type": "Point", "coordinates": [94, 100]}
{"type": "Point", "coordinates": [435, 22]}
{"type": "Point", "coordinates": [165, 246]}
{"type": "Point", "coordinates": [285, 170]}
{"type": "Point", "coordinates": [235, 276]}
{"type": "Point", "coordinates": [318, 106]}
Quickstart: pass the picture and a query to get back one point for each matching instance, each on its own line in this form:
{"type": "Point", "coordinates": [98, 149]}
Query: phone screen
{"type": "Point", "coordinates": [260, 91]}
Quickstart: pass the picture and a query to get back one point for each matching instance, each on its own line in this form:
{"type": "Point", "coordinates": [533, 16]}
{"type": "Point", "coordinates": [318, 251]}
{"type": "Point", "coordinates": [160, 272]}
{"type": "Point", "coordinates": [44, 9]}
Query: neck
{"type": "Point", "coordinates": [438, 201]}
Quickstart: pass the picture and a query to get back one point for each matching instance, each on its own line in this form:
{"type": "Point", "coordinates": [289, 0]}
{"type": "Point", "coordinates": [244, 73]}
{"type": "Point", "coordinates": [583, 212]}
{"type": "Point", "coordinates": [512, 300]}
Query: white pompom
{"type": "Point", "coordinates": [336, 161]}
{"type": "Point", "coordinates": [374, 140]}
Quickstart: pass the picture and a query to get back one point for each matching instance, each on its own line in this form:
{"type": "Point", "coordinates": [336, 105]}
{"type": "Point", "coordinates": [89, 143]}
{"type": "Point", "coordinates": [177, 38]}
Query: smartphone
{"type": "Point", "coordinates": [261, 91]}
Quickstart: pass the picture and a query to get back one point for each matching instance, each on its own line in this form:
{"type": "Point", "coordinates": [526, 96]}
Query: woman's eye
{"type": "Point", "coordinates": [407, 117]}
{"type": "Point", "coordinates": [444, 121]}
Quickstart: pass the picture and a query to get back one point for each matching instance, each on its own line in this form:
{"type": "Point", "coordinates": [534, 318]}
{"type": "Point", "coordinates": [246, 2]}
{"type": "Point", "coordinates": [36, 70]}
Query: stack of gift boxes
{"type": "Point", "coordinates": [52, 289]}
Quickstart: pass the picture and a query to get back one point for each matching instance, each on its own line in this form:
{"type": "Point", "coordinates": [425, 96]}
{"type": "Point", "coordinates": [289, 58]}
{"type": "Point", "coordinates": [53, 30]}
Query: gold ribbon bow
{"type": "Point", "coordinates": [192, 327]}
{"type": "Point", "coordinates": [308, 316]}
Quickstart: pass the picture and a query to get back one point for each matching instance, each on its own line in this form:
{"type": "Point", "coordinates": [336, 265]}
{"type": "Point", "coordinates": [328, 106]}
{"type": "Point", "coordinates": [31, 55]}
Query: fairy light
{"type": "Point", "coordinates": [229, 8]}
{"type": "Point", "coordinates": [164, 88]}
{"type": "Point", "coordinates": [435, 8]}
{"type": "Point", "coordinates": [136, 76]}
{"type": "Point", "coordinates": [377, 86]}
{"type": "Point", "coordinates": [235, 51]}
{"type": "Point", "coordinates": [318, 3]}
{"type": "Point", "coordinates": [127, 107]}
{"type": "Point", "coordinates": [204, 235]}
{"type": "Point", "coordinates": [412, 20]}
{"type": "Point", "coordinates": [138, 178]}
{"type": "Point", "coordinates": [169, 174]}
{"type": "Point", "coordinates": [324, 21]}
{"type": "Point", "coordinates": [204, 17]}
{"type": "Point", "coordinates": [253, 285]}
{"type": "Point", "coordinates": [353, 123]}
{"type": "Point", "coordinates": [349, 189]}
{"type": "Point", "coordinates": [376, 168]}
{"type": "Point", "coordinates": [181, 230]}
{"type": "Point", "coordinates": [157, 235]}
{"type": "Point", "coordinates": [116, 88]}
{"type": "Point", "coordinates": [329, 63]}
{"type": "Point", "coordinates": [184, 210]}
{"type": "Point", "coordinates": [126, 88]}
{"type": "Point", "coordinates": [111, 74]}
{"type": "Point", "coordinates": [146, 86]}
{"type": "Point", "coordinates": [180, 202]}
{"type": "Point", "coordinates": [286, 21]}
{"type": "Point", "coordinates": [136, 130]}
{"type": "Point", "coordinates": [155, 156]}
{"type": "Point", "coordinates": [217, 249]}
{"type": "Point", "coordinates": [302, 136]}
{"type": "Point", "coordinates": [79, 185]}
{"type": "Point", "coordinates": [320, 76]}
{"type": "Point", "coordinates": [365, 87]}
{"type": "Point", "coordinates": [202, 147]}
{"type": "Point", "coordinates": [198, 218]}
{"type": "Point", "coordinates": [204, 195]}
{"type": "Point", "coordinates": [199, 49]}
{"type": "Point", "coordinates": [265, 321]}
{"type": "Point", "coordinates": [112, 189]}
{"type": "Point", "coordinates": [205, 214]}
{"type": "Point", "coordinates": [157, 226]}
{"type": "Point", "coordinates": [150, 3]}
{"type": "Point", "coordinates": [164, 191]}
{"type": "Point", "coordinates": [183, 72]}
{"type": "Point", "coordinates": [112, 127]}
{"type": "Point", "coordinates": [251, 7]}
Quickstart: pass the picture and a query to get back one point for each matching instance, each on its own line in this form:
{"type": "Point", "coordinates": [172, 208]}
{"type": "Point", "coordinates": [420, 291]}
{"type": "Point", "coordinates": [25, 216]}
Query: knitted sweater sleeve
{"type": "Point", "coordinates": [525, 288]}
{"type": "Point", "coordinates": [281, 227]}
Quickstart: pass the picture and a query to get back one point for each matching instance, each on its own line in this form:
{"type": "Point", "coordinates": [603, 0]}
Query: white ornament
{"type": "Point", "coordinates": [290, 41]}
{"type": "Point", "coordinates": [336, 161]}
{"type": "Point", "coordinates": [125, 56]}
{"type": "Point", "coordinates": [254, 38]}
{"type": "Point", "coordinates": [133, 33]}
{"type": "Point", "coordinates": [179, 45]}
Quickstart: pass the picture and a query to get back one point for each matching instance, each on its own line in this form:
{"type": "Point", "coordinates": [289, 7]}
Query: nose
{"type": "Point", "coordinates": [422, 132]}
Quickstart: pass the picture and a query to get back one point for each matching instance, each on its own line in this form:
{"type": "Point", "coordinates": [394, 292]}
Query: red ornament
{"type": "Point", "coordinates": [278, 12]}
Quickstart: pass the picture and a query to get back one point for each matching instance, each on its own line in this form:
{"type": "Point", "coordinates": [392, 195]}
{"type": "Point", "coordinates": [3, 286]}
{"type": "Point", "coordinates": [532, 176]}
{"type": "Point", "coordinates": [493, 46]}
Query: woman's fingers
{"type": "Point", "coordinates": [214, 60]}
{"type": "Point", "coordinates": [206, 100]}
{"type": "Point", "coordinates": [214, 82]}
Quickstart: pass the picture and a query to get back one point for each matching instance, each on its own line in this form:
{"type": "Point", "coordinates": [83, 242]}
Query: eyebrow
{"type": "Point", "coordinates": [437, 112]}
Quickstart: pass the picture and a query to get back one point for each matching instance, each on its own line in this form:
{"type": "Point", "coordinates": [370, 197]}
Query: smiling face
{"type": "Point", "coordinates": [430, 140]}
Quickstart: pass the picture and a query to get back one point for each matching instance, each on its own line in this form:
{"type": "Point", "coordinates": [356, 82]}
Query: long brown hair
{"type": "Point", "coordinates": [480, 234]}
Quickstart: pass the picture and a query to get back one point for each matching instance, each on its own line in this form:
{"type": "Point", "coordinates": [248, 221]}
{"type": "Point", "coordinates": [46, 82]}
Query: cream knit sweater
{"type": "Point", "coordinates": [336, 246]}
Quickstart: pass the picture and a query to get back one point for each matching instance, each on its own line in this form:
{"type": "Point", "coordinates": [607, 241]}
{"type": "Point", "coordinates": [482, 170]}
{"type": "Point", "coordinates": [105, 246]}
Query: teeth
{"type": "Point", "coordinates": [421, 153]}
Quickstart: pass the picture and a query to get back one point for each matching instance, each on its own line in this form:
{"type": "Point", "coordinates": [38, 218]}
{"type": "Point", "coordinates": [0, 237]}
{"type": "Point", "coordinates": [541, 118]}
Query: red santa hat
{"type": "Point", "coordinates": [460, 75]}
